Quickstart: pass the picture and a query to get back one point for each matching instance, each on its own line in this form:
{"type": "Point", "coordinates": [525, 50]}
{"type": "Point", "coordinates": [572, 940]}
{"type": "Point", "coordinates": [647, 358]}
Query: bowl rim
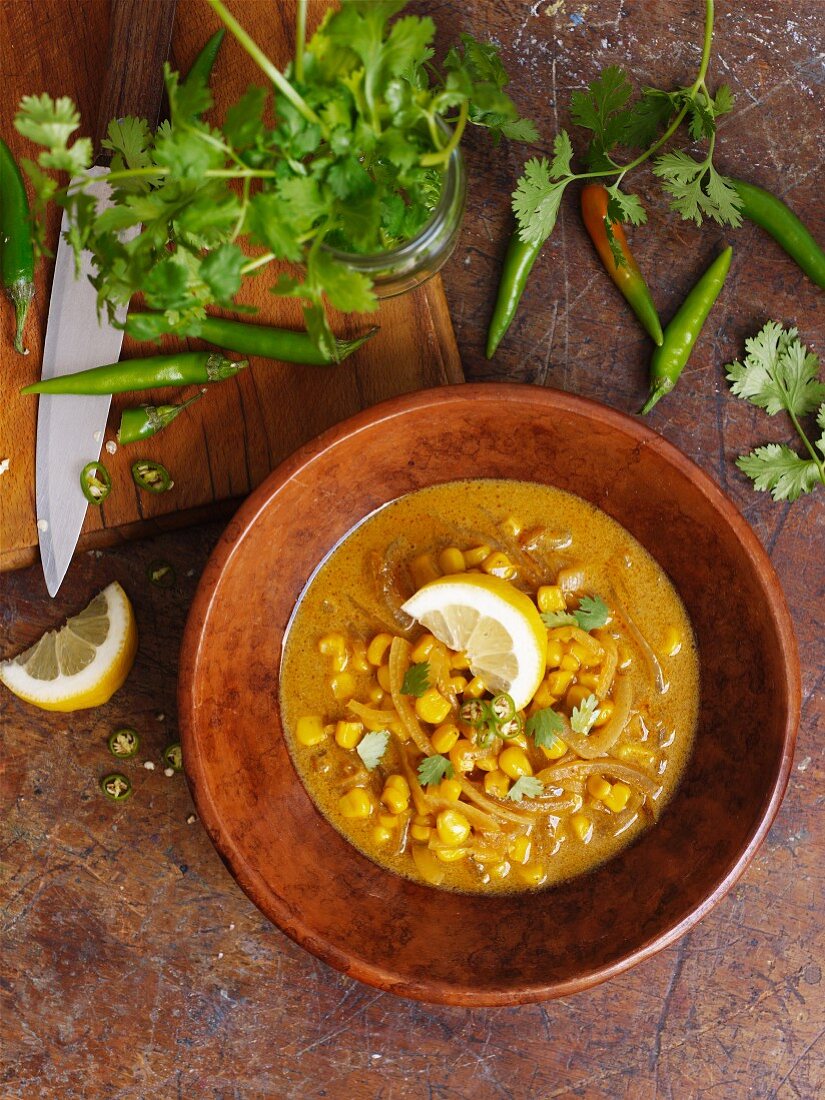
{"type": "Point", "coordinates": [239, 527]}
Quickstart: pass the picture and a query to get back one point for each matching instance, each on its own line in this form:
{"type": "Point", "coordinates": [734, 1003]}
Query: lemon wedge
{"type": "Point", "coordinates": [82, 664]}
{"type": "Point", "coordinates": [495, 624]}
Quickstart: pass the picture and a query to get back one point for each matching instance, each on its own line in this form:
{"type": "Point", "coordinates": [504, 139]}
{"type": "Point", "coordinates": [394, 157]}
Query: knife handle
{"type": "Point", "coordinates": [140, 32]}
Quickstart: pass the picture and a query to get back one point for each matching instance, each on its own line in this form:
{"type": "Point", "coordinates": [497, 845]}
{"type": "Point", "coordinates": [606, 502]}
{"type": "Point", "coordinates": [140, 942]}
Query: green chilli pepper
{"type": "Point", "coordinates": [680, 335]}
{"type": "Point", "coordinates": [124, 743]}
{"type": "Point", "coordinates": [178, 369]}
{"type": "Point", "coordinates": [518, 263]}
{"type": "Point", "coordinates": [503, 708]}
{"type": "Point", "coordinates": [201, 68]}
{"type": "Point", "coordinates": [769, 212]}
{"type": "Point", "coordinates": [147, 420]}
{"type": "Point", "coordinates": [16, 250]}
{"type": "Point", "coordinates": [611, 244]}
{"type": "Point", "coordinates": [173, 757]}
{"type": "Point", "coordinates": [283, 344]}
{"type": "Point", "coordinates": [116, 786]}
{"type": "Point", "coordinates": [151, 476]}
{"type": "Point", "coordinates": [95, 482]}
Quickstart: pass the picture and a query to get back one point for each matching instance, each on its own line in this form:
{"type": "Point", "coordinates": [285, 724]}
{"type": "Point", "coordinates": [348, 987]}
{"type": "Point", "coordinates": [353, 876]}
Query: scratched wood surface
{"type": "Point", "coordinates": [231, 439]}
{"type": "Point", "coordinates": [134, 967]}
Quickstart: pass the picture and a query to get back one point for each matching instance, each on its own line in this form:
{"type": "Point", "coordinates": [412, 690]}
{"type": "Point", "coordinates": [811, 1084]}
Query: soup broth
{"type": "Point", "coordinates": [424, 763]}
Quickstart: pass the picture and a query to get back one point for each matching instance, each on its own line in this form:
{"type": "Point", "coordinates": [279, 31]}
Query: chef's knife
{"type": "Point", "coordinates": [69, 428]}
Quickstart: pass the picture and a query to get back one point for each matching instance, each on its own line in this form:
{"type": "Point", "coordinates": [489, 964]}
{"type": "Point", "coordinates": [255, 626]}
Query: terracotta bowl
{"type": "Point", "coordinates": [427, 943]}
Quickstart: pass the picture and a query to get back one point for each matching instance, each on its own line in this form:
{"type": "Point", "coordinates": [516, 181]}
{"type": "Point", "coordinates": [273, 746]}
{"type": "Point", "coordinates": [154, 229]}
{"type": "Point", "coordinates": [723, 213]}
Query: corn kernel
{"type": "Point", "coordinates": [356, 805]}
{"type": "Point", "coordinates": [383, 675]}
{"type": "Point", "coordinates": [499, 565]}
{"type": "Point", "coordinates": [421, 832]}
{"type": "Point", "coordinates": [332, 645]}
{"type": "Point", "coordinates": [570, 662]}
{"type": "Point", "coordinates": [451, 560]}
{"type": "Point", "coordinates": [618, 798]}
{"type": "Point", "coordinates": [348, 734]}
{"type": "Point", "coordinates": [432, 707]}
{"type": "Point", "coordinates": [555, 750]}
{"type": "Point", "coordinates": [381, 835]}
{"type": "Point", "coordinates": [533, 874]}
{"type": "Point", "coordinates": [487, 763]}
{"type": "Point", "coordinates": [513, 762]}
{"type": "Point", "coordinates": [459, 661]}
{"type": "Point", "coordinates": [582, 826]}
{"type": "Point", "coordinates": [475, 689]}
{"type": "Point", "coordinates": [389, 821]}
{"type": "Point", "coordinates": [451, 855]}
{"type": "Point", "coordinates": [555, 652]}
{"type": "Point", "coordinates": [359, 656]}
{"type": "Point", "coordinates": [421, 650]}
{"type": "Point", "coordinates": [598, 787]}
{"type": "Point", "coordinates": [584, 655]}
{"type": "Point", "coordinates": [604, 714]}
{"type": "Point", "coordinates": [576, 695]}
{"type": "Point", "coordinates": [512, 527]}
{"type": "Point", "coordinates": [399, 782]}
{"type": "Point", "coordinates": [639, 754]}
{"type": "Point", "coordinates": [444, 737]}
{"type": "Point", "coordinates": [309, 730]}
{"type": "Point", "coordinates": [339, 661]}
{"type": "Point", "coordinates": [377, 649]}
{"type": "Point", "coordinates": [395, 801]}
{"type": "Point", "coordinates": [423, 570]}
{"type": "Point", "coordinates": [452, 827]}
{"type": "Point", "coordinates": [672, 643]}
{"type": "Point", "coordinates": [343, 686]}
{"type": "Point", "coordinates": [458, 684]}
{"type": "Point", "coordinates": [550, 598]}
{"type": "Point", "coordinates": [496, 783]}
{"type": "Point", "coordinates": [476, 555]}
{"type": "Point", "coordinates": [558, 682]}
{"type": "Point", "coordinates": [376, 694]}
{"type": "Point", "coordinates": [499, 871]}
{"type": "Point", "coordinates": [461, 755]}
{"type": "Point", "coordinates": [520, 849]}
{"type": "Point", "coordinates": [449, 789]}
{"type": "Point", "coordinates": [541, 699]}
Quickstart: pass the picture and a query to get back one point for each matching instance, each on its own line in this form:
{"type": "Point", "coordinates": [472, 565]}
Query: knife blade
{"type": "Point", "coordinates": [70, 428]}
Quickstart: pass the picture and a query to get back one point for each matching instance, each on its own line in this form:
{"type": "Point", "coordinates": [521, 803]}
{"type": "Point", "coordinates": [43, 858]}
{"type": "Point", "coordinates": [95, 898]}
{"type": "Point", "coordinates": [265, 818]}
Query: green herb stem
{"type": "Point", "coordinates": [259, 261]}
{"type": "Point", "coordinates": [431, 160]}
{"type": "Point", "coordinates": [263, 62]}
{"type": "Point", "coordinates": [300, 39]}
{"type": "Point", "coordinates": [808, 445]}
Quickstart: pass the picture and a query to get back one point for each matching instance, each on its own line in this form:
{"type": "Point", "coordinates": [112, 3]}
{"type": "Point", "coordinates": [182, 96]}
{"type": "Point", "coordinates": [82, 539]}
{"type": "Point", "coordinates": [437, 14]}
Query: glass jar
{"type": "Point", "coordinates": [417, 260]}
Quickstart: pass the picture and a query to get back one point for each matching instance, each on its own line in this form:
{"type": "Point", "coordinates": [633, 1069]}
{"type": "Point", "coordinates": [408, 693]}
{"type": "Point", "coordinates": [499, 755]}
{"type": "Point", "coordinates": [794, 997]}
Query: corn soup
{"type": "Point", "coordinates": [535, 753]}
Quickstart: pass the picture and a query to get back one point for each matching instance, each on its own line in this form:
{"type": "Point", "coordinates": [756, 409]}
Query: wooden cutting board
{"type": "Point", "coordinates": [227, 442]}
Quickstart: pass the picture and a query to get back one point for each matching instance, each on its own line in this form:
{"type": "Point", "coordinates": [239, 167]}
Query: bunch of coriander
{"type": "Point", "coordinates": [365, 123]}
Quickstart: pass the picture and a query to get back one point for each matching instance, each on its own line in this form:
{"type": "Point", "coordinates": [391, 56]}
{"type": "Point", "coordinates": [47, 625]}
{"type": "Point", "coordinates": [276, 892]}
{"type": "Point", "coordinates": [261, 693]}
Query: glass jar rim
{"type": "Point", "coordinates": [453, 176]}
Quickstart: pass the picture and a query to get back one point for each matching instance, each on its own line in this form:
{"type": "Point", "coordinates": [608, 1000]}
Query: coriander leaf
{"type": "Point", "coordinates": [544, 726]}
{"type": "Point", "coordinates": [727, 202]}
{"type": "Point", "coordinates": [167, 284]}
{"type": "Point", "coordinates": [221, 271]}
{"type": "Point", "coordinates": [433, 769]}
{"type": "Point", "coordinates": [641, 123]}
{"type": "Point", "coordinates": [562, 155]}
{"type": "Point", "coordinates": [267, 219]}
{"type": "Point", "coordinates": [683, 179]}
{"type": "Point", "coordinates": [347, 289]}
{"type": "Point", "coordinates": [416, 679]}
{"type": "Point", "coordinates": [47, 121]}
{"type": "Point", "coordinates": [243, 125]}
{"type": "Point", "coordinates": [526, 786]}
{"type": "Point", "coordinates": [777, 468]}
{"type": "Point", "coordinates": [131, 139]}
{"type": "Point", "coordinates": [536, 201]}
{"type": "Point", "coordinates": [820, 421]}
{"type": "Point", "coordinates": [520, 129]}
{"type": "Point", "coordinates": [723, 103]}
{"type": "Point", "coordinates": [372, 747]}
{"type": "Point", "coordinates": [552, 619]}
{"type": "Point", "coordinates": [592, 613]}
{"type": "Point", "coordinates": [187, 99]}
{"type": "Point", "coordinates": [605, 96]}
{"type": "Point", "coordinates": [624, 207]}
{"type": "Point", "coordinates": [778, 372]}
{"type": "Point", "coordinates": [700, 117]}
{"type": "Point", "coordinates": [584, 715]}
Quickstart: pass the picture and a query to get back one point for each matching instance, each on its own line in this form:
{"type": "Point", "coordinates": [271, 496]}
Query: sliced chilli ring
{"type": "Point", "coordinates": [151, 476]}
{"type": "Point", "coordinates": [503, 708]}
{"type": "Point", "coordinates": [116, 787]}
{"type": "Point", "coordinates": [124, 743]}
{"type": "Point", "coordinates": [172, 757]}
{"type": "Point", "coordinates": [95, 482]}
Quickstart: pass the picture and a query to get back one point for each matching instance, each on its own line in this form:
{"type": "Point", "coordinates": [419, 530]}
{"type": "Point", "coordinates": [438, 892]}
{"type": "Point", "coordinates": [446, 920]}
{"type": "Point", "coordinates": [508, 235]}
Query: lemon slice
{"type": "Point", "coordinates": [495, 624]}
{"type": "Point", "coordinates": [82, 664]}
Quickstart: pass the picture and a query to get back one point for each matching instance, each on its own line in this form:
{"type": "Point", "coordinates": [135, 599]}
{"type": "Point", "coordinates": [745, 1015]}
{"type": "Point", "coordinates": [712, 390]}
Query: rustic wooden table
{"type": "Point", "coordinates": [132, 964]}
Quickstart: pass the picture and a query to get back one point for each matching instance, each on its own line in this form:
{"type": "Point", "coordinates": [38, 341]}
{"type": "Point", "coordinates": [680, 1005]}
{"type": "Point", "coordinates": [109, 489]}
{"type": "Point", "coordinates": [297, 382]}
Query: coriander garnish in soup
{"type": "Point", "coordinates": [490, 686]}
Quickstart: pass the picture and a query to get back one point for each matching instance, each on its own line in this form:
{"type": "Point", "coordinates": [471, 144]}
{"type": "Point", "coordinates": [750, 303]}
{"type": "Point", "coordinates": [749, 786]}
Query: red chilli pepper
{"type": "Point", "coordinates": [625, 275]}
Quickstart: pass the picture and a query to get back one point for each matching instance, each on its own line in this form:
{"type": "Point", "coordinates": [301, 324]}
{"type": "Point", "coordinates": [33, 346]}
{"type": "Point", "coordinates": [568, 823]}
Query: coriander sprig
{"type": "Point", "coordinates": [779, 374]}
{"type": "Point", "coordinates": [365, 124]}
{"type": "Point", "coordinates": [697, 190]}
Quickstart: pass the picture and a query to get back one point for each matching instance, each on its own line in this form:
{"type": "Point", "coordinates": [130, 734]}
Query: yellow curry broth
{"type": "Point", "coordinates": [557, 548]}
